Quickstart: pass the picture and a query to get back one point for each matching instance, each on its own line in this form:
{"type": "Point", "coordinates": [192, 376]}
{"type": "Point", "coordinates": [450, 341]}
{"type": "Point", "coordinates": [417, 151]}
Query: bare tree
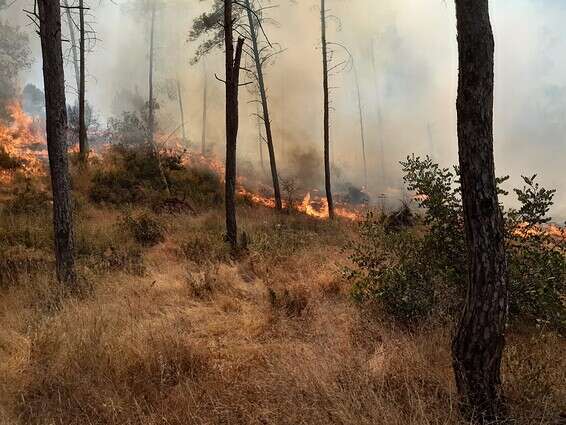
{"type": "Point", "coordinates": [83, 142]}
{"type": "Point", "coordinates": [253, 24]}
{"type": "Point", "coordinates": [151, 100]}
{"type": "Point", "coordinates": [326, 123]}
{"type": "Point", "coordinates": [49, 18]}
{"type": "Point", "coordinates": [70, 24]}
{"type": "Point", "coordinates": [361, 120]}
{"type": "Point", "coordinates": [478, 345]}
{"type": "Point", "coordinates": [260, 51]}
{"type": "Point", "coordinates": [79, 64]}
{"type": "Point", "coordinates": [381, 144]}
{"type": "Point", "coordinates": [233, 60]}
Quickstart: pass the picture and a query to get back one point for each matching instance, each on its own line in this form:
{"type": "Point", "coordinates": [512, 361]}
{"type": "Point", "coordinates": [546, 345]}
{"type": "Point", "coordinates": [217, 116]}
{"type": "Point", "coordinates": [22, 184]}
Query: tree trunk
{"type": "Point", "coordinates": [56, 125]}
{"type": "Point", "coordinates": [232, 82]}
{"type": "Point", "coordinates": [265, 107]}
{"type": "Point", "coordinates": [204, 107]}
{"type": "Point", "coordinates": [151, 106]}
{"type": "Point", "coordinates": [73, 42]}
{"type": "Point", "coordinates": [381, 147]}
{"type": "Point", "coordinates": [479, 341]}
{"type": "Point", "coordinates": [260, 138]}
{"type": "Point", "coordinates": [181, 111]}
{"type": "Point", "coordinates": [83, 142]}
{"type": "Point", "coordinates": [326, 111]}
{"type": "Point", "coordinates": [151, 111]}
{"type": "Point", "coordinates": [362, 130]}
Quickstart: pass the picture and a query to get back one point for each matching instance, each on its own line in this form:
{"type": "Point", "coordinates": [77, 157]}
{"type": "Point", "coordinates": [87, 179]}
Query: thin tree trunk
{"type": "Point", "coordinates": [56, 125]}
{"type": "Point", "coordinates": [478, 345]}
{"type": "Point", "coordinates": [362, 130]}
{"type": "Point", "coordinates": [83, 142]}
{"type": "Point", "coordinates": [265, 107]}
{"type": "Point", "coordinates": [327, 181]}
{"type": "Point", "coordinates": [204, 108]}
{"type": "Point", "coordinates": [151, 118]}
{"type": "Point", "coordinates": [381, 147]}
{"type": "Point", "coordinates": [151, 106]}
{"type": "Point", "coordinates": [73, 42]}
{"type": "Point", "coordinates": [179, 94]}
{"type": "Point", "coordinates": [233, 60]}
{"type": "Point", "coordinates": [260, 138]}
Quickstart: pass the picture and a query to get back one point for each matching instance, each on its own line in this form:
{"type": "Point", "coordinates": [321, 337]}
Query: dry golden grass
{"type": "Point", "coordinates": [198, 338]}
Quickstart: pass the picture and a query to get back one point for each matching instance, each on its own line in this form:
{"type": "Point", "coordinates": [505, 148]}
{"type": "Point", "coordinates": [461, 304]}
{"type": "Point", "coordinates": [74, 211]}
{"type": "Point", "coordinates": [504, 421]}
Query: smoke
{"type": "Point", "coordinates": [405, 52]}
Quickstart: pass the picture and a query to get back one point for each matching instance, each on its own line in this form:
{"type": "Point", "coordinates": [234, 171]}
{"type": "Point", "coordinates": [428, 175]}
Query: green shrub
{"type": "Point", "coordinates": [422, 271]}
{"type": "Point", "coordinates": [131, 175]}
{"type": "Point", "coordinates": [126, 176]}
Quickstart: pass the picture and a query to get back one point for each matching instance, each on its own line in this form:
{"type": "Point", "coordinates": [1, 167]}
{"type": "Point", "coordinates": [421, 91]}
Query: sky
{"type": "Point", "coordinates": [405, 53]}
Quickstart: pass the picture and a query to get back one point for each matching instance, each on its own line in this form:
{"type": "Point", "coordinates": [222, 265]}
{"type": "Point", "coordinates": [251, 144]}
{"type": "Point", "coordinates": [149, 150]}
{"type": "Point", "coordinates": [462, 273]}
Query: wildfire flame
{"type": "Point", "coordinates": [317, 208]}
{"type": "Point", "coordinates": [22, 144]}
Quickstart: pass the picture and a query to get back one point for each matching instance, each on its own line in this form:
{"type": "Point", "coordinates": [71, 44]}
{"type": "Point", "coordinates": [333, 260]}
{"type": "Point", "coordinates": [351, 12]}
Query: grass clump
{"type": "Point", "coordinates": [145, 229]}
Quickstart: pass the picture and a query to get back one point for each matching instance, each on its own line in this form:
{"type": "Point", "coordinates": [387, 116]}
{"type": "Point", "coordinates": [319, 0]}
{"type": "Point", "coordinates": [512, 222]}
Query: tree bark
{"type": "Point", "coordinates": [265, 106]}
{"type": "Point", "coordinates": [233, 60]}
{"type": "Point", "coordinates": [326, 123]}
{"type": "Point", "coordinates": [479, 341]}
{"type": "Point", "coordinates": [56, 126]}
{"type": "Point", "coordinates": [83, 142]}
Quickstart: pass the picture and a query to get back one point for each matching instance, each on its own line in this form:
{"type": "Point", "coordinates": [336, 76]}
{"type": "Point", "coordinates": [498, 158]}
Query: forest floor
{"type": "Point", "coordinates": [181, 333]}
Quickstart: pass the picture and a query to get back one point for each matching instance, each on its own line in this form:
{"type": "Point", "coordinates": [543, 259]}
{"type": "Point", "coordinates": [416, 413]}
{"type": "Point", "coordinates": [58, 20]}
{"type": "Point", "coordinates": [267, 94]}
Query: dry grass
{"type": "Point", "coordinates": [198, 338]}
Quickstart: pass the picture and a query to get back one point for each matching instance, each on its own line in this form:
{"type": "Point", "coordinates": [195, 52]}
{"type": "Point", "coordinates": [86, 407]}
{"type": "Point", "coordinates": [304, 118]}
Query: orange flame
{"type": "Point", "coordinates": [22, 143]}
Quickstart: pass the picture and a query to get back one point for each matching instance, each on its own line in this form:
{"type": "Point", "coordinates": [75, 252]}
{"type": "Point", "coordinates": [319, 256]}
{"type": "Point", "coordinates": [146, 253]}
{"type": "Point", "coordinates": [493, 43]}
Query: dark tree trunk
{"type": "Point", "coordinates": [181, 111]}
{"type": "Point", "coordinates": [204, 108]}
{"type": "Point", "coordinates": [479, 341]}
{"type": "Point", "coordinates": [151, 106]}
{"type": "Point", "coordinates": [233, 60]}
{"type": "Point", "coordinates": [265, 106]}
{"type": "Point", "coordinates": [83, 142]}
{"type": "Point", "coordinates": [56, 125]}
{"type": "Point", "coordinates": [327, 181]}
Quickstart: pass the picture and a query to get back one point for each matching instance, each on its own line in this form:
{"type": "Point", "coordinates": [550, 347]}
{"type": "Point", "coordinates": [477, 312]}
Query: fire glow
{"type": "Point", "coordinates": [23, 144]}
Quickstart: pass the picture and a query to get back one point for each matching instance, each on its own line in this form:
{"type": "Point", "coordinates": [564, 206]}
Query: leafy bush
{"type": "Point", "coordinates": [421, 271]}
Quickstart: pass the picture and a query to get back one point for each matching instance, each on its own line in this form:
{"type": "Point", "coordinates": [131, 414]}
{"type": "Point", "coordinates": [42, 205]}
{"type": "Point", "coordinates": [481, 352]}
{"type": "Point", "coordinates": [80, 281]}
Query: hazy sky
{"type": "Point", "coordinates": [414, 83]}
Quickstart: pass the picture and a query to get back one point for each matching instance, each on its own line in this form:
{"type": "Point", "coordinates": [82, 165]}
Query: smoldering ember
{"type": "Point", "coordinates": [298, 212]}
